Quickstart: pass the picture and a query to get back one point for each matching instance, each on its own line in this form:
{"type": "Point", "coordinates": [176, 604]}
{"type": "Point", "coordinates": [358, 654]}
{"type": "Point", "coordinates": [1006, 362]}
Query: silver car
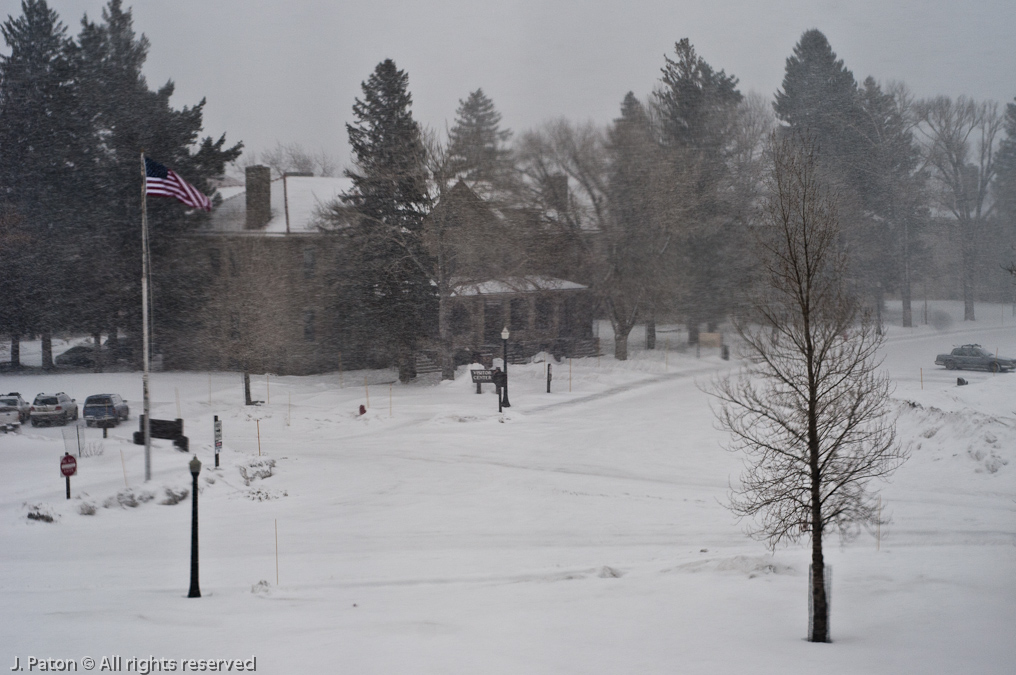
{"type": "Point", "coordinates": [10, 420]}
{"type": "Point", "coordinates": [14, 399]}
{"type": "Point", "coordinates": [56, 408]}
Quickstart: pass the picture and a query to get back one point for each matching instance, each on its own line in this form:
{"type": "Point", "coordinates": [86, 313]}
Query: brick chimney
{"type": "Point", "coordinates": [259, 196]}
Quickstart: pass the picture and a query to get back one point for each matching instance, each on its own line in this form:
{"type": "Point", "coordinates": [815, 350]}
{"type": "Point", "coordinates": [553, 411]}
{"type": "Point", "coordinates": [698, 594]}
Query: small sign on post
{"type": "Point", "coordinates": [218, 439]}
{"type": "Point", "coordinates": [480, 376]}
{"type": "Point", "coordinates": [68, 468]}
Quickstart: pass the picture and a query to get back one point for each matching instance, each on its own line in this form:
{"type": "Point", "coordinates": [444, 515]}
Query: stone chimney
{"type": "Point", "coordinates": [259, 196]}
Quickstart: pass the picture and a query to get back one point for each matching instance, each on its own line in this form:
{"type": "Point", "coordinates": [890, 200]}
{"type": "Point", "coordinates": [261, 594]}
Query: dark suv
{"type": "Point", "coordinates": [50, 408]}
{"type": "Point", "coordinates": [105, 410]}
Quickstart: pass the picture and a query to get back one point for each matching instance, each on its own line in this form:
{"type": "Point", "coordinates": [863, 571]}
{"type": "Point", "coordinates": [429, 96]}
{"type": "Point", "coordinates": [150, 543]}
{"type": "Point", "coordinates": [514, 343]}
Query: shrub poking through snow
{"type": "Point", "coordinates": [41, 513]}
{"type": "Point", "coordinates": [129, 498]}
{"type": "Point", "coordinates": [255, 469]}
{"type": "Point", "coordinates": [92, 449]}
{"type": "Point", "coordinates": [87, 509]}
{"type": "Point", "coordinates": [175, 496]}
{"type": "Point", "coordinates": [260, 494]}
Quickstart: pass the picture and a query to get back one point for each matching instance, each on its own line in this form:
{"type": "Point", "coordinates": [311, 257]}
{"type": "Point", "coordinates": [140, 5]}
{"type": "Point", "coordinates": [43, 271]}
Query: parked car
{"type": "Point", "coordinates": [105, 410]}
{"type": "Point", "coordinates": [118, 349]}
{"type": "Point", "coordinates": [974, 357]}
{"type": "Point", "coordinates": [10, 419]}
{"type": "Point", "coordinates": [14, 399]}
{"type": "Point", "coordinates": [82, 356]}
{"type": "Point", "coordinates": [50, 408]}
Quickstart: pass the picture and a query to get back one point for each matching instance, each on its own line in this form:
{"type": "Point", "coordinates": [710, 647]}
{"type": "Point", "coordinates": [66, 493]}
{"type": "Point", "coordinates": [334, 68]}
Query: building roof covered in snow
{"type": "Point", "coordinates": [292, 207]}
{"type": "Point", "coordinates": [514, 285]}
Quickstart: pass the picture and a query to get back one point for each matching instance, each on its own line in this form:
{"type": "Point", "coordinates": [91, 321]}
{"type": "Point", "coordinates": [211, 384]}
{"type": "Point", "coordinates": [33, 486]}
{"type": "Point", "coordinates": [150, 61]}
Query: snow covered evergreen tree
{"type": "Point", "coordinates": [390, 273]}
{"type": "Point", "coordinates": [130, 118]}
{"type": "Point", "coordinates": [819, 98]}
{"type": "Point", "coordinates": [45, 162]}
{"type": "Point", "coordinates": [698, 110]}
{"type": "Point", "coordinates": [477, 146]}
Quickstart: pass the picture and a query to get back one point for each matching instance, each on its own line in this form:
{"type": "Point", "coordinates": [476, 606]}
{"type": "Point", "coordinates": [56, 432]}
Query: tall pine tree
{"type": "Point", "coordinates": [45, 163]}
{"type": "Point", "coordinates": [129, 118]}
{"type": "Point", "coordinates": [819, 98]}
{"type": "Point", "coordinates": [1005, 186]}
{"type": "Point", "coordinates": [74, 118]}
{"type": "Point", "coordinates": [698, 109]}
{"type": "Point", "coordinates": [391, 273]}
{"type": "Point", "coordinates": [477, 146]}
{"type": "Point", "coordinates": [634, 250]}
{"type": "Point", "coordinates": [891, 191]}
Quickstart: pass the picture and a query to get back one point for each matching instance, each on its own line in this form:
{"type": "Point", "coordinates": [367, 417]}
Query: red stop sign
{"type": "Point", "coordinates": [68, 465]}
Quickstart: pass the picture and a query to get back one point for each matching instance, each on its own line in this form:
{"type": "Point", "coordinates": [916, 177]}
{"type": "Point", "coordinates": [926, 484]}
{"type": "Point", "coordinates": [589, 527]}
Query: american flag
{"type": "Point", "coordinates": [163, 182]}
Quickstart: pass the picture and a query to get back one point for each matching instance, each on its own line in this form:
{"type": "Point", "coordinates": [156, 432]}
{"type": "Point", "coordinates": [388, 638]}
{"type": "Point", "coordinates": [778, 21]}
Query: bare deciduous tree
{"type": "Point", "coordinates": [811, 411]}
{"type": "Point", "coordinates": [290, 158]}
{"type": "Point", "coordinates": [961, 138]}
{"type": "Point", "coordinates": [250, 307]}
{"type": "Point", "coordinates": [464, 242]}
{"type": "Point", "coordinates": [563, 170]}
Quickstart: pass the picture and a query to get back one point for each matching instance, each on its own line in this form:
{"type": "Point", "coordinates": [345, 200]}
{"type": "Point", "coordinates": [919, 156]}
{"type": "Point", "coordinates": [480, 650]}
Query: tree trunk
{"type": "Point", "coordinates": [651, 334]}
{"type": "Point", "coordinates": [621, 345]}
{"type": "Point", "coordinates": [879, 301]}
{"type": "Point", "coordinates": [47, 350]}
{"type": "Point", "coordinates": [445, 338]}
{"type": "Point", "coordinates": [908, 314]}
{"type": "Point", "coordinates": [407, 367]}
{"type": "Point", "coordinates": [819, 603]}
{"type": "Point", "coordinates": [693, 333]}
{"type": "Point", "coordinates": [16, 352]}
{"type": "Point", "coordinates": [969, 266]}
{"type": "Point", "coordinates": [246, 389]}
{"type": "Point", "coordinates": [905, 292]}
{"type": "Point", "coordinates": [819, 609]}
{"type": "Point", "coordinates": [99, 355]}
{"type": "Point", "coordinates": [819, 598]}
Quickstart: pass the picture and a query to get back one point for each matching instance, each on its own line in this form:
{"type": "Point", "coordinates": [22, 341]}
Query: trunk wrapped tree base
{"type": "Point", "coordinates": [813, 611]}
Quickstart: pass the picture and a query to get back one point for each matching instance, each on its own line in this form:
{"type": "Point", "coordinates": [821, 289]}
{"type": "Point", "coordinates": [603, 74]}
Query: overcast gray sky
{"type": "Point", "coordinates": [289, 70]}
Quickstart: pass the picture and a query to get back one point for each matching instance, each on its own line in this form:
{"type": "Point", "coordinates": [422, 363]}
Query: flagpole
{"type": "Point", "coordinates": [144, 318]}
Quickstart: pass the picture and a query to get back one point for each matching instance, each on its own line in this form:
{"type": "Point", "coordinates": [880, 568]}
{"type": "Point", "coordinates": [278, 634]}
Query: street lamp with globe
{"type": "Point", "coordinates": [195, 469]}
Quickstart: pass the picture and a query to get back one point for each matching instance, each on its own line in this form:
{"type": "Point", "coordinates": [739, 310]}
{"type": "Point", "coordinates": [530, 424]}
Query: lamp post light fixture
{"type": "Point", "coordinates": [195, 469]}
{"type": "Point", "coordinates": [504, 393]}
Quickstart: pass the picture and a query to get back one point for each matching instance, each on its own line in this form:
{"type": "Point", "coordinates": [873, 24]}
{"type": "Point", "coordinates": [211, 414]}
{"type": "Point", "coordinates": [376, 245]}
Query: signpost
{"type": "Point", "coordinates": [218, 439]}
{"type": "Point", "coordinates": [68, 468]}
{"type": "Point", "coordinates": [480, 376]}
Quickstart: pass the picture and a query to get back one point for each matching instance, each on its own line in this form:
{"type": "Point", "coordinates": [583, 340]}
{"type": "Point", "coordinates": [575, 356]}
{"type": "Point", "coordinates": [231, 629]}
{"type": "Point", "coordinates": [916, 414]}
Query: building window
{"type": "Point", "coordinates": [309, 262]}
{"type": "Point", "coordinates": [493, 322]}
{"type": "Point", "coordinates": [308, 325]}
{"type": "Point", "coordinates": [544, 313]}
{"type": "Point", "coordinates": [519, 314]}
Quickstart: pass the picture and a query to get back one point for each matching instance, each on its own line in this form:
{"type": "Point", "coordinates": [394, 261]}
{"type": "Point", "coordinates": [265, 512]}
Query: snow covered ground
{"type": "Point", "coordinates": [585, 534]}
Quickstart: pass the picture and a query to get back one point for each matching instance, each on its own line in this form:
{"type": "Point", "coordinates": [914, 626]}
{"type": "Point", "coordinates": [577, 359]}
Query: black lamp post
{"type": "Point", "coordinates": [195, 591]}
{"type": "Point", "coordinates": [504, 394]}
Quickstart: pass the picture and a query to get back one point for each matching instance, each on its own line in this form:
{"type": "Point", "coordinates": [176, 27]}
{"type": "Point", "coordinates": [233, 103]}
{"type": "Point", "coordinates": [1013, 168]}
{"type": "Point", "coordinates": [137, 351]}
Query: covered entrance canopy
{"type": "Point", "coordinates": [542, 313]}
